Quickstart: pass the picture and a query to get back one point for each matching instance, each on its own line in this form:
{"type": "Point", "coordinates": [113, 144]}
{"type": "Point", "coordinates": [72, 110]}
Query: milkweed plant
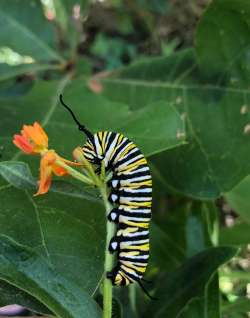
{"type": "Point", "coordinates": [33, 140]}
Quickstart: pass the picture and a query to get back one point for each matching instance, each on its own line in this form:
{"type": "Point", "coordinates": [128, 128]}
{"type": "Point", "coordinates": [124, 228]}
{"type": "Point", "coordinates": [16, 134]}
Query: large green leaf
{"type": "Point", "coordinates": [222, 41]}
{"type": "Point", "coordinates": [59, 228]}
{"type": "Point", "coordinates": [27, 33]}
{"type": "Point", "coordinates": [41, 104]}
{"type": "Point", "coordinates": [155, 128]}
{"type": "Point", "coordinates": [216, 119]}
{"type": "Point", "coordinates": [23, 268]}
{"type": "Point", "coordinates": [189, 281]}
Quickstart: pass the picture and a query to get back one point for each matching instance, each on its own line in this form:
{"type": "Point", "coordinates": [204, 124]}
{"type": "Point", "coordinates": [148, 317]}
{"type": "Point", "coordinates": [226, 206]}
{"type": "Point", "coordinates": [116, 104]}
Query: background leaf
{"type": "Point", "coordinates": [238, 199]}
{"type": "Point", "coordinates": [199, 168]}
{"type": "Point", "coordinates": [20, 28]}
{"type": "Point", "coordinates": [189, 281]}
{"type": "Point", "coordinates": [225, 26]}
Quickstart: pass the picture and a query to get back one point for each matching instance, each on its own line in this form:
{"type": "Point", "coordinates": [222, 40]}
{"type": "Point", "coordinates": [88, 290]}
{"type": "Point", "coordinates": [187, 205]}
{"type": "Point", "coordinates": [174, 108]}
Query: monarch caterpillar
{"type": "Point", "coordinates": [131, 192]}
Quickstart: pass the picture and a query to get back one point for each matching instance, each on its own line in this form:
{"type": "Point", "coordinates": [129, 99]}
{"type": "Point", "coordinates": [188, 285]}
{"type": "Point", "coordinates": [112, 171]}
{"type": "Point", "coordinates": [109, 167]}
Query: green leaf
{"type": "Point", "coordinates": [155, 128]}
{"type": "Point", "coordinates": [60, 229]}
{"type": "Point", "coordinates": [10, 71]}
{"type": "Point", "coordinates": [201, 228]}
{"type": "Point", "coordinates": [41, 104]}
{"type": "Point", "coordinates": [204, 307]}
{"type": "Point", "coordinates": [19, 175]}
{"type": "Point", "coordinates": [189, 281]}
{"type": "Point", "coordinates": [238, 199]}
{"type": "Point", "coordinates": [10, 294]}
{"type": "Point", "coordinates": [153, 79]}
{"type": "Point", "coordinates": [212, 298]}
{"type": "Point", "coordinates": [20, 28]}
{"type": "Point", "coordinates": [222, 41]}
{"type": "Point", "coordinates": [238, 234]}
{"type": "Point", "coordinates": [25, 269]}
{"type": "Point", "coordinates": [165, 253]}
{"type": "Point", "coordinates": [194, 309]}
{"type": "Point", "coordinates": [241, 305]}
{"type": "Point", "coordinates": [216, 119]}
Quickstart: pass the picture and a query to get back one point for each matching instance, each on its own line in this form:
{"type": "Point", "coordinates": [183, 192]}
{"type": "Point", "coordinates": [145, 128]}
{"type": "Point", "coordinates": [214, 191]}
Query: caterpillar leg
{"type": "Point", "coordinates": [114, 215]}
{"type": "Point", "coordinates": [114, 196]}
{"type": "Point", "coordinates": [114, 244]}
{"type": "Point", "coordinates": [114, 182]}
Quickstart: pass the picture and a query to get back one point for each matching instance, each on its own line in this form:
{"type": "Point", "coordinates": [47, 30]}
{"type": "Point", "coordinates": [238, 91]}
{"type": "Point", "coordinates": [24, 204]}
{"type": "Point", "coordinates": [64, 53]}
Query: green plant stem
{"type": "Point", "coordinates": [109, 258]}
{"type": "Point", "coordinates": [74, 173]}
{"type": "Point", "coordinates": [101, 183]}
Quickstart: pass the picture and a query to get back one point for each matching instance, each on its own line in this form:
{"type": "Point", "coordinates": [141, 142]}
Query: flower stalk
{"type": "Point", "coordinates": [74, 173]}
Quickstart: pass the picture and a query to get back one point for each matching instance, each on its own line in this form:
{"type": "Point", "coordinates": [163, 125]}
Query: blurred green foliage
{"type": "Point", "coordinates": [180, 90]}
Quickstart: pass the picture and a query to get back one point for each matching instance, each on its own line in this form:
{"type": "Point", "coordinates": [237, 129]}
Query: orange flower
{"type": "Point", "coordinates": [34, 140]}
{"type": "Point", "coordinates": [48, 166]}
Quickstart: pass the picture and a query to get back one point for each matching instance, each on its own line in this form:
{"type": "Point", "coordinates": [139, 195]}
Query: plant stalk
{"type": "Point", "coordinates": [101, 183]}
{"type": "Point", "coordinates": [109, 258]}
{"type": "Point", "coordinates": [74, 173]}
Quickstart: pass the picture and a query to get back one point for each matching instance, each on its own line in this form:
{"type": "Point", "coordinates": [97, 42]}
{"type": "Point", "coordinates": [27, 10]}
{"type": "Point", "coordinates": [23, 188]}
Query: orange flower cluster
{"type": "Point", "coordinates": [33, 140]}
